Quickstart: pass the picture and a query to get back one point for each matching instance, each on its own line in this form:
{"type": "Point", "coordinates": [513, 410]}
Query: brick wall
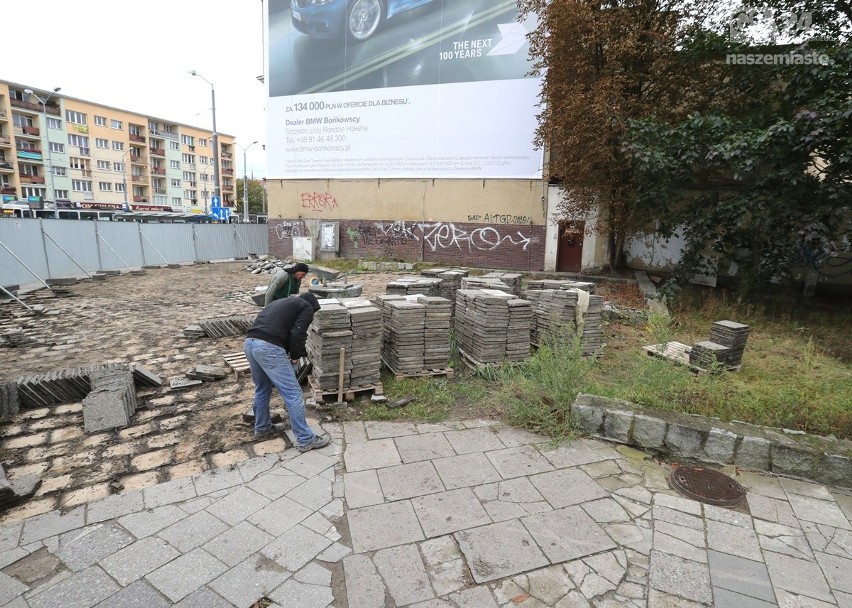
{"type": "Point", "coordinates": [506, 246]}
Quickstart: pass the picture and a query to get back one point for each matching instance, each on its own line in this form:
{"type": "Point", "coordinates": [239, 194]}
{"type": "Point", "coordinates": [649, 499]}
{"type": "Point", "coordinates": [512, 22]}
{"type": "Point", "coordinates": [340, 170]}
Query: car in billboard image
{"type": "Point", "coordinates": [358, 20]}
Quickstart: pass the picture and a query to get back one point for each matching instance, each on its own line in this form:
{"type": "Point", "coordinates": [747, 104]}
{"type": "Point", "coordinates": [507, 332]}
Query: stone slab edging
{"type": "Point", "coordinates": [823, 459]}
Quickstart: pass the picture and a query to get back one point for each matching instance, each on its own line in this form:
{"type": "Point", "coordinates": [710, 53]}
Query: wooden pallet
{"type": "Point", "coordinates": [677, 352]}
{"type": "Point", "coordinates": [449, 372]}
{"type": "Point", "coordinates": [238, 363]}
{"type": "Point", "coordinates": [330, 395]}
{"type": "Point", "coordinates": [479, 365]}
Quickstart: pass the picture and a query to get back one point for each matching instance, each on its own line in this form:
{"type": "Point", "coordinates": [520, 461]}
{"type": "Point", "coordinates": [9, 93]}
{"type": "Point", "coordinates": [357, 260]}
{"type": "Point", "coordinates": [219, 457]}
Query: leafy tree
{"type": "Point", "coordinates": [255, 195]}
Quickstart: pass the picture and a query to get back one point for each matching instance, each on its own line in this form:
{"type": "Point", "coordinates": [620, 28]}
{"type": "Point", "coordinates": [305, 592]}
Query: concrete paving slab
{"type": "Point", "coordinates": [371, 455]}
{"type": "Point", "coordinates": [797, 576]}
{"type": "Point", "coordinates": [362, 489]}
{"type": "Point", "coordinates": [279, 516]}
{"type": "Point", "coordinates": [447, 512]}
{"type": "Point", "coordinates": [138, 559]}
{"type": "Point", "coordinates": [567, 487]}
{"type": "Point", "coordinates": [147, 522]}
{"type": "Point", "coordinates": [679, 577]}
{"type": "Point", "coordinates": [139, 594]}
{"type": "Point", "coordinates": [85, 588]}
{"type": "Point", "coordinates": [518, 462]}
{"type": "Point", "coordinates": [469, 441]}
{"type": "Point", "coordinates": [81, 548]}
{"type": "Point", "coordinates": [819, 511]}
{"type": "Point", "coordinates": [238, 543]}
{"type": "Point", "coordinates": [364, 586]}
{"type": "Point", "coordinates": [193, 531]}
{"type": "Point", "coordinates": [739, 575]}
{"type": "Point", "coordinates": [415, 448]}
{"type": "Point", "coordinates": [182, 576]}
{"type": "Point", "coordinates": [250, 580]}
{"type": "Point", "coordinates": [567, 533]}
{"type": "Point", "coordinates": [296, 547]}
{"type": "Point", "coordinates": [303, 595]}
{"type": "Point", "coordinates": [382, 526]}
{"type": "Point", "coordinates": [499, 550]}
{"type": "Point", "coordinates": [239, 504]}
{"type": "Point", "coordinates": [466, 470]}
{"type": "Point", "coordinates": [409, 480]}
{"type": "Point", "coordinates": [404, 574]}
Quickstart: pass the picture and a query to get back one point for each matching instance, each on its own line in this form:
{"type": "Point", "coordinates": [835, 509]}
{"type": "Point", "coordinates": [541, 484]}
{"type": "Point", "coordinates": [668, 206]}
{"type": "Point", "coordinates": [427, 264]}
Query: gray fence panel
{"type": "Point", "coordinates": [119, 245]}
{"type": "Point", "coordinates": [173, 241]}
{"type": "Point", "coordinates": [24, 238]}
{"type": "Point", "coordinates": [215, 242]}
{"type": "Point", "coordinates": [77, 238]}
{"type": "Point", "coordinates": [252, 238]}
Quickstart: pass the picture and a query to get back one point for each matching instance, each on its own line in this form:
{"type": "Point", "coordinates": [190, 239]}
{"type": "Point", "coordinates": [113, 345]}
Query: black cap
{"type": "Point", "coordinates": [311, 299]}
{"type": "Point", "coordinates": [299, 267]}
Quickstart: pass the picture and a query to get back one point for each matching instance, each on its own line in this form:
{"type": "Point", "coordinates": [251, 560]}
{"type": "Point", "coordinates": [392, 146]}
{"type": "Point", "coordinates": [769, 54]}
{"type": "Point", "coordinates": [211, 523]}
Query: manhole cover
{"type": "Point", "coordinates": [707, 485]}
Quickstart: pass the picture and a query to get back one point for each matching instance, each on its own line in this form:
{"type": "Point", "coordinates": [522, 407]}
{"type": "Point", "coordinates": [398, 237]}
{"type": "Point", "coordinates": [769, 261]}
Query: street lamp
{"type": "Point", "coordinates": [43, 102]}
{"type": "Point", "coordinates": [216, 191]}
{"type": "Point", "coordinates": [245, 181]}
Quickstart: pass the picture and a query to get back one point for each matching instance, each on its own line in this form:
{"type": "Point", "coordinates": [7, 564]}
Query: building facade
{"type": "Point", "coordinates": [59, 148]}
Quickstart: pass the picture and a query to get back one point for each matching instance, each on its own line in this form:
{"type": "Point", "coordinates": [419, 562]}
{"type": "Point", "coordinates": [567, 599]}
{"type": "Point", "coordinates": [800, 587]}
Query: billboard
{"type": "Point", "coordinates": [400, 88]}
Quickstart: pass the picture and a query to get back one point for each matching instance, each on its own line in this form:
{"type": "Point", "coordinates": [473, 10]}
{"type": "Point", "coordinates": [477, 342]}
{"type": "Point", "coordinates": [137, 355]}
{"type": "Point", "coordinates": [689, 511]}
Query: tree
{"type": "Point", "coordinates": [603, 65]}
{"type": "Point", "coordinates": [255, 196]}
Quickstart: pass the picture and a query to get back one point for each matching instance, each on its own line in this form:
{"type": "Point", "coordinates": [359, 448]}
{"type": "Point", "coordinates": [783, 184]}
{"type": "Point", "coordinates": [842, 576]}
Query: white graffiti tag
{"type": "Point", "coordinates": [444, 235]}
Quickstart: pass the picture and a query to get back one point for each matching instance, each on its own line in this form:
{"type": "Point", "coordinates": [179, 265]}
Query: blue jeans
{"type": "Point", "coordinates": [270, 366]}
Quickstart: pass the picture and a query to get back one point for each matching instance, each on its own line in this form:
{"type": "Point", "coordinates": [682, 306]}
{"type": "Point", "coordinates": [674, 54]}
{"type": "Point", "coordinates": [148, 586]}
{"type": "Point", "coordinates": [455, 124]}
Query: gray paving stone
{"type": "Point", "coordinates": [238, 543]}
{"type": "Point", "coordinates": [499, 550]}
{"type": "Point", "coordinates": [837, 570]}
{"type": "Point", "coordinates": [404, 574]}
{"type": "Point", "coordinates": [567, 487]}
{"type": "Point", "coordinates": [81, 548]}
{"type": "Point", "coordinates": [658, 599]}
{"type": "Point", "coordinates": [10, 589]}
{"type": "Point", "coordinates": [416, 448]}
{"type": "Point", "coordinates": [448, 512]}
{"type": "Point", "coordinates": [204, 598]}
{"type": "Point", "coordinates": [804, 488]}
{"type": "Point", "coordinates": [605, 511]}
{"type": "Point", "coordinates": [733, 540]}
{"type": "Point", "coordinates": [169, 492]}
{"type": "Point", "coordinates": [216, 479]}
{"type": "Point", "coordinates": [549, 584]}
{"type": "Point", "coordinates": [784, 539]}
{"type": "Point", "coordinates": [474, 440]}
{"type": "Point", "coordinates": [772, 509]}
{"type": "Point", "coordinates": [194, 505]}
{"type": "Point", "coordinates": [383, 430]}
{"type": "Point", "coordinates": [253, 467]}
{"type": "Point", "coordinates": [819, 511]}
{"type": "Point", "coordinates": [797, 576]}
{"type": "Point", "coordinates": [10, 534]}
{"type": "Point", "coordinates": [334, 553]}
{"type": "Point", "coordinates": [114, 506]}
{"type": "Point", "coordinates": [11, 556]}
{"type": "Point", "coordinates": [439, 550]}
{"type": "Point", "coordinates": [676, 517]}
{"type": "Point", "coordinates": [448, 576]}
{"type": "Point", "coordinates": [571, 454]}
{"type": "Point", "coordinates": [674, 546]}
{"type": "Point", "coordinates": [193, 531]}
{"type": "Point", "coordinates": [409, 480]}
{"type": "Point", "coordinates": [728, 516]}
{"type": "Point", "coordinates": [385, 525]}
{"type": "Point", "coordinates": [513, 437]}
{"type": "Point", "coordinates": [275, 484]}
{"type": "Point", "coordinates": [81, 590]}
{"type": "Point", "coordinates": [362, 489]}
{"type": "Point", "coordinates": [567, 533]}
{"type": "Point", "coordinates": [519, 461]}
{"type": "Point", "coordinates": [238, 505]}
{"type": "Point", "coordinates": [364, 586]}
{"type": "Point", "coordinates": [138, 595]}
{"type": "Point", "coordinates": [371, 455]}
{"type": "Point", "coordinates": [723, 598]}
{"type": "Point", "coordinates": [51, 524]}
{"type": "Point", "coordinates": [476, 597]}
{"type": "Point", "coordinates": [680, 577]}
{"type": "Point", "coordinates": [138, 559]}
{"type": "Point", "coordinates": [314, 574]}
{"type": "Point", "coordinates": [296, 547]}
{"type": "Point", "coordinates": [743, 576]}
{"type": "Point", "coordinates": [182, 576]}
{"type": "Point", "coordinates": [251, 580]}
{"type": "Point", "coordinates": [826, 539]}
{"type": "Point", "coordinates": [146, 523]}
{"type": "Point", "coordinates": [279, 516]}
{"type": "Point", "coordinates": [314, 494]}
{"type": "Point", "coordinates": [678, 503]}
{"type": "Point", "coordinates": [465, 471]}
{"type": "Point", "coordinates": [303, 595]}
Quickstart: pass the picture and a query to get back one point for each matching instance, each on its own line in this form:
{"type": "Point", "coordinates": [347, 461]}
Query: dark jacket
{"type": "Point", "coordinates": [283, 285]}
{"type": "Point", "coordinates": [285, 324]}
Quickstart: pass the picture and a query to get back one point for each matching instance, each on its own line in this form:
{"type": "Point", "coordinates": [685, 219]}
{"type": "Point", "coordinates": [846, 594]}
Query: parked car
{"type": "Point", "coordinates": [357, 19]}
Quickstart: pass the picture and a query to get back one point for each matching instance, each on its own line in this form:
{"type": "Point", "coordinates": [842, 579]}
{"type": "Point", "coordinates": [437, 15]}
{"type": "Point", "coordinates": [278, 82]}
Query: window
{"type": "Point", "coordinates": [100, 142]}
{"type": "Point", "coordinates": [202, 142]}
{"type": "Point", "coordinates": [119, 187]}
{"type": "Point", "coordinates": [76, 163]}
{"type": "Point", "coordinates": [78, 118]}
{"type": "Point", "coordinates": [104, 164]}
{"type": "Point", "coordinates": [54, 123]}
{"type": "Point", "coordinates": [60, 171]}
{"type": "Point", "coordinates": [134, 129]}
{"type": "Point", "coordinates": [81, 141]}
{"type": "Point", "coordinates": [204, 177]}
{"type": "Point", "coordinates": [176, 202]}
{"type": "Point", "coordinates": [118, 167]}
{"type": "Point", "coordinates": [19, 120]}
{"type": "Point", "coordinates": [105, 186]}
{"type": "Point", "coordinates": [189, 140]}
{"type": "Point", "coordinates": [116, 124]}
{"type": "Point", "coordinates": [56, 147]}
{"type": "Point", "coordinates": [204, 160]}
{"type": "Point", "coordinates": [174, 145]}
{"type": "Point", "coordinates": [80, 185]}
{"type": "Point", "coordinates": [188, 176]}
{"type": "Point", "coordinates": [190, 195]}
{"type": "Point", "coordinates": [175, 183]}
{"type": "Point", "coordinates": [118, 145]}
{"type": "Point", "coordinates": [174, 164]}
{"type": "Point", "coordinates": [100, 120]}
{"type": "Point", "coordinates": [60, 194]}
{"type": "Point", "coordinates": [189, 159]}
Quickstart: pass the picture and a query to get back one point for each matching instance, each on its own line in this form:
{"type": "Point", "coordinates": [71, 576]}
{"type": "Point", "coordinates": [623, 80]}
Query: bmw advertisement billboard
{"type": "Point", "coordinates": [400, 88]}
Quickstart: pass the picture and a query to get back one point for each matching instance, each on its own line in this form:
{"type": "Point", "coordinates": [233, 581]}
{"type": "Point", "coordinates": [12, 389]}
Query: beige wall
{"type": "Point", "coordinates": [449, 200]}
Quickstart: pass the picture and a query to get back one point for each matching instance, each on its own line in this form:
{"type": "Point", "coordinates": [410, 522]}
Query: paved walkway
{"type": "Point", "coordinates": [435, 516]}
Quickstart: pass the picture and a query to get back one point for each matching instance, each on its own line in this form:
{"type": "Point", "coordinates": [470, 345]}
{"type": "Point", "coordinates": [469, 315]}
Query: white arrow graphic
{"type": "Point", "coordinates": [514, 37]}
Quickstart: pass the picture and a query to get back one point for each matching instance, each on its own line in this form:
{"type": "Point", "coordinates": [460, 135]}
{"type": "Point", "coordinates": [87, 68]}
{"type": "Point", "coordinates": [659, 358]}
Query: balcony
{"type": "Point", "coordinates": [160, 191]}
{"type": "Point", "coordinates": [29, 154]}
{"type": "Point", "coordinates": [228, 172]}
{"type": "Point", "coordinates": [24, 132]}
{"type": "Point", "coordinates": [6, 168]}
{"type": "Point", "coordinates": [5, 142]}
{"type": "Point", "coordinates": [139, 199]}
{"type": "Point", "coordinates": [139, 138]}
{"type": "Point", "coordinates": [227, 188]}
{"type": "Point", "coordinates": [31, 179]}
{"type": "Point", "coordinates": [138, 159]}
{"type": "Point", "coordinates": [31, 131]}
{"type": "Point", "coordinates": [158, 171]}
{"type": "Point", "coordinates": [25, 105]}
{"type": "Point", "coordinates": [3, 115]}
{"type": "Point", "coordinates": [139, 178]}
{"type": "Point", "coordinates": [157, 152]}
{"type": "Point", "coordinates": [8, 190]}
{"type": "Point", "coordinates": [227, 154]}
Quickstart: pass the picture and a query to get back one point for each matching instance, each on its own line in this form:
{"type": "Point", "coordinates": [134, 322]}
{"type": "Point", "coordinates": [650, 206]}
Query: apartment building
{"type": "Point", "coordinates": [54, 147]}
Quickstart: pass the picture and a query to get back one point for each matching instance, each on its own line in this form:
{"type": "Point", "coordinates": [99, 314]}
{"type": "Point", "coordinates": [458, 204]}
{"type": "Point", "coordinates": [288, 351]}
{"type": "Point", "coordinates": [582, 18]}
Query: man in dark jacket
{"type": "Point", "coordinates": [286, 283]}
{"type": "Point", "coordinates": [274, 343]}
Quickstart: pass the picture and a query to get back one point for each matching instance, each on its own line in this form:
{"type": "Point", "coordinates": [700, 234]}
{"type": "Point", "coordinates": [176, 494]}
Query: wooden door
{"type": "Point", "coordinates": [569, 252]}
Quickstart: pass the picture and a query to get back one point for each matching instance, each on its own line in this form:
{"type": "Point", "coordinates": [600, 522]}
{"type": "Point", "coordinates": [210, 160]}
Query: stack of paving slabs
{"type": "Point", "coordinates": [408, 285]}
{"type": "Point", "coordinates": [403, 337]}
{"type": "Point", "coordinates": [511, 279]}
{"type": "Point", "coordinates": [451, 282]}
{"type": "Point", "coordinates": [492, 326]}
{"type": "Point", "coordinates": [591, 340]}
{"type": "Point", "coordinates": [337, 290]}
{"type": "Point", "coordinates": [222, 327]}
{"type": "Point", "coordinates": [328, 333]}
{"type": "Point", "coordinates": [538, 284]}
{"type": "Point", "coordinates": [436, 331]}
{"type": "Point", "coordinates": [555, 312]}
{"type": "Point", "coordinates": [366, 323]}
{"type": "Point", "coordinates": [707, 354]}
{"type": "Point", "coordinates": [112, 400]}
{"type": "Point", "coordinates": [483, 283]}
{"type": "Point", "coordinates": [733, 335]}
{"type": "Point", "coordinates": [9, 403]}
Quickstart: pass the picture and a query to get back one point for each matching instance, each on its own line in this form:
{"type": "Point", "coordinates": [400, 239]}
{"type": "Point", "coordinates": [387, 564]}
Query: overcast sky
{"type": "Point", "coordinates": [135, 56]}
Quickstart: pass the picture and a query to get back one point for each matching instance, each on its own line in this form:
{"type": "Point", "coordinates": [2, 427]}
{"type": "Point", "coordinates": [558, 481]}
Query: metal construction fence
{"type": "Point", "coordinates": [34, 250]}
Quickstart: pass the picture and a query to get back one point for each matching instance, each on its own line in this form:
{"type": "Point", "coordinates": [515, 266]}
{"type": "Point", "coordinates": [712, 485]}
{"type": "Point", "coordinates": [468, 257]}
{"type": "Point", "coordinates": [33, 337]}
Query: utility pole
{"type": "Point", "coordinates": [245, 182]}
{"type": "Point", "coordinates": [217, 192]}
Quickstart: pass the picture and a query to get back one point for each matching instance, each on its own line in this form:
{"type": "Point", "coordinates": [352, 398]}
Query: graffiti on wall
{"type": "Point", "coordinates": [437, 235]}
{"type": "Point", "coordinates": [289, 229]}
{"type": "Point", "coordinates": [318, 201]}
{"type": "Point", "coordinates": [826, 263]}
{"type": "Point", "coordinates": [498, 218]}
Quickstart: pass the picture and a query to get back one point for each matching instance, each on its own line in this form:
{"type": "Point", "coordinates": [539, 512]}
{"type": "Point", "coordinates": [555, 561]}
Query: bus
{"type": "Point", "coordinates": [27, 211]}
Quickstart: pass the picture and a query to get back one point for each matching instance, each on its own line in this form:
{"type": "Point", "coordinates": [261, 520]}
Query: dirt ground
{"type": "Point", "coordinates": [134, 319]}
